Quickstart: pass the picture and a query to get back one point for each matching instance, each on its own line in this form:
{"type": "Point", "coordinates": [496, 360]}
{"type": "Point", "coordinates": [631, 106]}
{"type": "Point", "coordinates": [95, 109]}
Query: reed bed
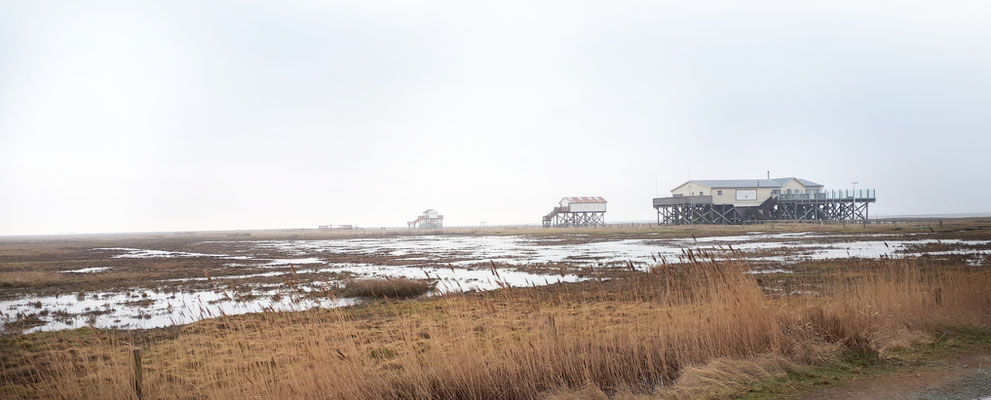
{"type": "Point", "coordinates": [388, 288]}
{"type": "Point", "coordinates": [641, 334]}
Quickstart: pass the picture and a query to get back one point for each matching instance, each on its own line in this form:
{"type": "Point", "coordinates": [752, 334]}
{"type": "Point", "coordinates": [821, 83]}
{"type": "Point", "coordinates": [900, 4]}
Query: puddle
{"type": "Point", "coordinates": [294, 261]}
{"type": "Point", "coordinates": [127, 252]}
{"type": "Point", "coordinates": [769, 271]}
{"type": "Point", "coordinates": [460, 279]}
{"type": "Point", "coordinates": [90, 270]}
{"type": "Point", "coordinates": [142, 309]}
{"type": "Point", "coordinates": [467, 251]}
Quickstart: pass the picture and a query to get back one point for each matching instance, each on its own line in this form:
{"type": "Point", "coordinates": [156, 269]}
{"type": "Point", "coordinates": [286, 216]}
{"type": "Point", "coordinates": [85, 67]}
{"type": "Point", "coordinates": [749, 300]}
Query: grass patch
{"type": "Point", "coordinates": [391, 288]}
{"type": "Point", "coordinates": [852, 365]}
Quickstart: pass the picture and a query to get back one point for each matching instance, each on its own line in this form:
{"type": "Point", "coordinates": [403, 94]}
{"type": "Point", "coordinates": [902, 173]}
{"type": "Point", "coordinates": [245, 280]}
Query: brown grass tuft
{"type": "Point", "coordinates": [392, 288]}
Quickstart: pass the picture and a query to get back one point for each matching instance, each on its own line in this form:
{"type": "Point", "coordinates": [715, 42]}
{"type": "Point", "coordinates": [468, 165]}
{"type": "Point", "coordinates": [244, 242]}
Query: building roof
{"type": "Point", "coordinates": [749, 183]}
{"type": "Point", "coordinates": [807, 183]}
{"type": "Point", "coordinates": [584, 199]}
{"type": "Point", "coordinates": [431, 214]}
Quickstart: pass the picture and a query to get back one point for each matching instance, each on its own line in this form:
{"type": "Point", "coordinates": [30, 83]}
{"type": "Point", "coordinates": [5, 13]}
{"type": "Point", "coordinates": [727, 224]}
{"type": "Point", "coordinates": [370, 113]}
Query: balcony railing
{"type": "Point", "coordinates": [847, 194]}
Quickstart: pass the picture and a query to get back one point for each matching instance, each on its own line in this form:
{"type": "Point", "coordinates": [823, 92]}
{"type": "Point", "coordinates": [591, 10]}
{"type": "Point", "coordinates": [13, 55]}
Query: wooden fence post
{"type": "Point", "coordinates": [136, 352]}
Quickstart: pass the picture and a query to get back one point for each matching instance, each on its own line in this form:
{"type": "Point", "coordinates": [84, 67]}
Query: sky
{"type": "Point", "coordinates": [128, 116]}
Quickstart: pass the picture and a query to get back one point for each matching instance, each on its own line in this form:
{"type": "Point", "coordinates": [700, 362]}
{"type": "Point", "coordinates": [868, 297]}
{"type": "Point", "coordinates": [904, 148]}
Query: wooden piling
{"type": "Point", "coordinates": [136, 353]}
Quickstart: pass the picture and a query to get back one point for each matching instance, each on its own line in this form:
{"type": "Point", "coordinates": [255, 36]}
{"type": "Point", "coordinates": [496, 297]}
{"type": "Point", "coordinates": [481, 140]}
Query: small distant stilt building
{"type": "Point", "coordinates": [577, 211]}
{"type": "Point", "coordinates": [430, 219]}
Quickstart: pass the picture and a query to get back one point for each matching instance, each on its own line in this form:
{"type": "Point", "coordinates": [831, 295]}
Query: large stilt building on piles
{"type": "Point", "coordinates": [755, 200]}
{"type": "Point", "coordinates": [577, 211]}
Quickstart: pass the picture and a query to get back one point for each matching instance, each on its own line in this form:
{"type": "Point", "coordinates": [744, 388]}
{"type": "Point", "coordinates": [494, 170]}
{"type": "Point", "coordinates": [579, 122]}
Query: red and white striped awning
{"type": "Point", "coordinates": [586, 199]}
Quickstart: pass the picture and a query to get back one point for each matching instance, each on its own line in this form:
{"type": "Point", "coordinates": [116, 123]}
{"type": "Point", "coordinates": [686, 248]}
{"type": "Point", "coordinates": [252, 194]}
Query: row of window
{"type": "Point", "coordinates": [718, 193]}
{"type": "Point", "coordinates": [775, 191]}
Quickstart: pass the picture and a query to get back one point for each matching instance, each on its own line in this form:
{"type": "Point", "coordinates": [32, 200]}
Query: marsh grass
{"type": "Point", "coordinates": [389, 288]}
{"type": "Point", "coordinates": [644, 334]}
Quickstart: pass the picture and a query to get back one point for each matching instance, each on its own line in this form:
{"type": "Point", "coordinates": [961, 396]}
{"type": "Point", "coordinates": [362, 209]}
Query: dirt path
{"type": "Point", "coordinates": [963, 376]}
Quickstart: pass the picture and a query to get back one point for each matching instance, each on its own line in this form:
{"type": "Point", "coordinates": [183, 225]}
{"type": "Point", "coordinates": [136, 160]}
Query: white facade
{"type": "Point", "coordinates": [430, 219]}
{"type": "Point", "coordinates": [584, 204]}
{"type": "Point", "coordinates": [587, 207]}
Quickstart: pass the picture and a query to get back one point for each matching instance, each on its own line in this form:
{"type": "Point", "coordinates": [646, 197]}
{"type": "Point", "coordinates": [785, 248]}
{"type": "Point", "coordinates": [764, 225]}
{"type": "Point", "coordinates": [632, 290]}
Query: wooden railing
{"type": "Point", "coordinates": [859, 194]}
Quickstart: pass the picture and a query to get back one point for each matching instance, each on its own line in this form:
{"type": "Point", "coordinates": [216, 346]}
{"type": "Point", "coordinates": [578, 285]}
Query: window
{"type": "Point", "coordinates": [719, 193]}
{"type": "Point", "coordinates": [700, 194]}
{"type": "Point", "coordinates": [775, 191]}
{"type": "Point", "coordinates": [789, 191]}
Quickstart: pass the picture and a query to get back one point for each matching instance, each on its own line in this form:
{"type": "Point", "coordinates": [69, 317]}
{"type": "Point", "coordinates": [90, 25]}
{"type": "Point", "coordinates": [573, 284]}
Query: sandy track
{"type": "Point", "coordinates": [962, 376]}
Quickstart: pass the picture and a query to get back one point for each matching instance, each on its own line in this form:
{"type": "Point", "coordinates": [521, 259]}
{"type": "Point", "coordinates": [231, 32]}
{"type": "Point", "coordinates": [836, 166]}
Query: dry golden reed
{"type": "Point", "coordinates": [634, 335]}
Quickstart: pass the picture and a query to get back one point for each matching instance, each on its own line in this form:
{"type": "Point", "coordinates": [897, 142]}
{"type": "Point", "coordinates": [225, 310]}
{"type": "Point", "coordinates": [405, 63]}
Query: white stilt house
{"type": "Point", "coordinates": [577, 211]}
{"type": "Point", "coordinates": [745, 201]}
{"type": "Point", "coordinates": [430, 219]}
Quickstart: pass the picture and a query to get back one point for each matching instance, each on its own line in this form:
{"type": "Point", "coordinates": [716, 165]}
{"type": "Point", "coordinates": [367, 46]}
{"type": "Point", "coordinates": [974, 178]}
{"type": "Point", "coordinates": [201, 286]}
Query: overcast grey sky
{"type": "Point", "coordinates": [172, 115]}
